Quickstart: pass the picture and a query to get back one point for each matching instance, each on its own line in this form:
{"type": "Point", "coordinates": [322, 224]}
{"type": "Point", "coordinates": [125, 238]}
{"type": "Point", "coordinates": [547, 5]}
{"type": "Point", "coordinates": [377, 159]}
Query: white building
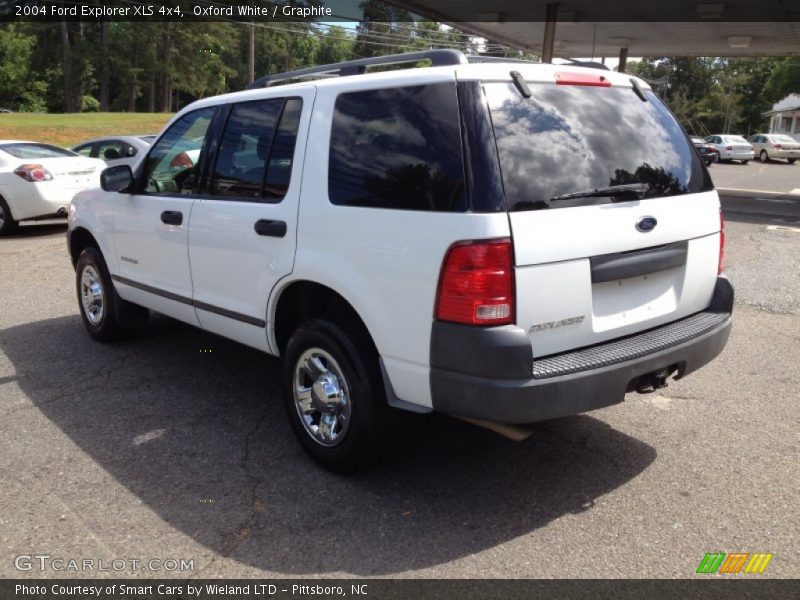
{"type": "Point", "coordinates": [785, 116]}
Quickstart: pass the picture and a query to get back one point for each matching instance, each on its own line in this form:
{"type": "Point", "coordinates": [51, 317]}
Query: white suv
{"type": "Point", "coordinates": [508, 242]}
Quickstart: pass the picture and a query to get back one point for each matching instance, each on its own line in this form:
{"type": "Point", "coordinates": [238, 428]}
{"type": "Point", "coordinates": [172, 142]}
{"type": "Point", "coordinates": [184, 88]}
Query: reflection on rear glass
{"type": "Point", "coordinates": [565, 139]}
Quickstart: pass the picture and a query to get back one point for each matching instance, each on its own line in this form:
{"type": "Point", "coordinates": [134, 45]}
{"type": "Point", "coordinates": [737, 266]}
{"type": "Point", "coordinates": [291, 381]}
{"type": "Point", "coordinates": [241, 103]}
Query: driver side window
{"type": "Point", "coordinates": [172, 162]}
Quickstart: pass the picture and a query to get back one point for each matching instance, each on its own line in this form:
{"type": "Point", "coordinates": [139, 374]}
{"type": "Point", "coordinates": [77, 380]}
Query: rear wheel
{"type": "Point", "coordinates": [744, 162]}
{"type": "Point", "coordinates": [763, 156]}
{"type": "Point", "coordinates": [7, 223]}
{"type": "Point", "coordinates": [335, 397]}
{"type": "Point", "coordinates": [791, 160]}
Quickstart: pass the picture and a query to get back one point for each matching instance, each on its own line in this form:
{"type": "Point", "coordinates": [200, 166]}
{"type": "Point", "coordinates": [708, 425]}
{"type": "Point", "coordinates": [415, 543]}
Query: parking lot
{"type": "Point", "coordinates": [174, 445]}
{"type": "Point", "coordinates": [774, 176]}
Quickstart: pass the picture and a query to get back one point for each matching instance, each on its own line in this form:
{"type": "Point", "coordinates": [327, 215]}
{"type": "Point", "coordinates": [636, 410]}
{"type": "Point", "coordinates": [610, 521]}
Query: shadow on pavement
{"type": "Point", "coordinates": [193, 425]}
{"type": "Point", "coordinates": [32, 229]}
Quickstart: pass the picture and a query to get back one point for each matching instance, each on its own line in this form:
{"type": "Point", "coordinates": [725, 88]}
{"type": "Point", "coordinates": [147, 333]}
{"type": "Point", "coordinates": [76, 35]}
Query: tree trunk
{"type": "Point", "coordinates": [151, 93]}
{"type": "Point", "coordinates": [166, 80]}
{"type": "Point", "coordinates": [251, 53]}
{"type": "Point", "coordinates": [105, 72]}
{"type": "Point", "coordinates": [132, 91]}
{"type": "Point", "coordinates": [69, 95]}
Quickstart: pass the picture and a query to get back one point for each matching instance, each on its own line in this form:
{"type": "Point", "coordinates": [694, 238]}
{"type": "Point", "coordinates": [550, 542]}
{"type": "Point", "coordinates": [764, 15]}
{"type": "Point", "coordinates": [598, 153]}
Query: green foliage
{"type": "Point", "coordinates": [90, 104]}
{"type": "Point", "coordinates": [716, 95]}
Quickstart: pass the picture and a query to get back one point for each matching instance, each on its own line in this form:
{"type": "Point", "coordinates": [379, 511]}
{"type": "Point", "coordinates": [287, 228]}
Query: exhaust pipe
{"type": "Point", "coordinates": [653, 381]}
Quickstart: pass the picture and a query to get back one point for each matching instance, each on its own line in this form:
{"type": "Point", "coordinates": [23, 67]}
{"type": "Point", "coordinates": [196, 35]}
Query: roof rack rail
{"type": "Point", "coordinates": [479, 58]}
{"type": "Point", "coordinates": [438, 58]}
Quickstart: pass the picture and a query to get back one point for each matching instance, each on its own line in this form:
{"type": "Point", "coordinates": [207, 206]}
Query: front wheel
{"type": "Point", "coordinates": [335, 397]}
{"type": "Point", "coordinates": [106, 316]}
{"type": "Point", "coordinates": [763, 156]}
{"type": "Point", "coordinates": [7, 223]}
{"type": "Point", "coordinates": [791, 160]}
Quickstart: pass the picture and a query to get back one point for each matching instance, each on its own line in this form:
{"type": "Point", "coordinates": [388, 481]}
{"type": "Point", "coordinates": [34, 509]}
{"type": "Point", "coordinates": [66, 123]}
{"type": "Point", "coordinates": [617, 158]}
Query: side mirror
{"type": "Point", "coordinates": [116, 179]}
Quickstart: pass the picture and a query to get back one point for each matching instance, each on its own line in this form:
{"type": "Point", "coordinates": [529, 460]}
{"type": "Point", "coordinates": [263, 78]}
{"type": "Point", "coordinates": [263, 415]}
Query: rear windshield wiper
{"type": "Point", "coordinates": [626, 190]}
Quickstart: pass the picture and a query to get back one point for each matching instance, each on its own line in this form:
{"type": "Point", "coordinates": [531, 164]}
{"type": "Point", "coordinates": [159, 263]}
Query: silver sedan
{"type": "Point", "coordinates": [117, 150]}
{"type": "Point", "coordinates": [775, 145]}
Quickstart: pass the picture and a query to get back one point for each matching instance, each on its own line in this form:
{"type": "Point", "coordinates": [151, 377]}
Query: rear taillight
{"type": "Point", "coordinates": [476, 285]}
{"type": "Point", "coordinates": [720, 265]}
{"type": "Point", "coordinates": [777, 146]}
{"type": "Point", "coordinates": [33, 173]}
{"type": "Point", "coordinates": [728, 148]}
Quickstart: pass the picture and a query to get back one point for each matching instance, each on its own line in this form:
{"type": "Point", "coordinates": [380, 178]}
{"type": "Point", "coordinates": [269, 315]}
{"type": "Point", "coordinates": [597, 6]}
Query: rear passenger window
{"type": "Point", "coordinates": [256, 150]}
{"type": "Point", "coordinates": [398, 148]}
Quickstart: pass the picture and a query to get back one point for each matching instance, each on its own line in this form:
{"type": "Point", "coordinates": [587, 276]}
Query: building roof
{"type": "Point", "coordinates": [791, 102]}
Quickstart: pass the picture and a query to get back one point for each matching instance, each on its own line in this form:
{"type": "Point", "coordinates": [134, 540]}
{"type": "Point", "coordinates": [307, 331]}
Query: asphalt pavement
{"type": "Point", "coordinates": [174, 445]}
{"type": "Point", "coordinates": [775, 176]}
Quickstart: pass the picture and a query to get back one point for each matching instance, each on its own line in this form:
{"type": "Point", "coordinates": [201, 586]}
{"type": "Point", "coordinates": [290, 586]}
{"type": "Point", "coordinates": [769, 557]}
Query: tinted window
{"type": "Point", "coordinates": [171, 164]}
{"type": "Point", "coordinates": [398, 148]}
{"type": "Point", "coordinates": [24, 150]}
{"type": "Point", "coordinates": [257, 148]}
{"type": "Point", "coordinates": [282, 154]}
{"type": "Point", "coordinates": [566, 139]}
{"type": "Point", "coordinates": [244, 148]}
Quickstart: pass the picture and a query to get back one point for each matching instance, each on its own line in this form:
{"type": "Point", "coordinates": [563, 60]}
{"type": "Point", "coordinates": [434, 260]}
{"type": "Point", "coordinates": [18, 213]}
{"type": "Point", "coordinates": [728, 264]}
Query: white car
{"type": "Point", "coordinates": [37, 181]}
{"type": "Point", "coordinates": [732, 147]}
{"type": "Point", "coordinates": [775, 145]}
{"type": "Point", "coordinates": [421, 240]}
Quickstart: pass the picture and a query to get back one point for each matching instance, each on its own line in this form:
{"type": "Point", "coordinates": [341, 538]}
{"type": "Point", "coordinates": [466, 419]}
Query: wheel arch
{"type": "Point", "coordinates": [303, 299]}
{"type": "Point", "coordinates": [78, 239]}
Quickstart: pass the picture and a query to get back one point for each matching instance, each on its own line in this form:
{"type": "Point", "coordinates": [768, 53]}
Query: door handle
{"type": "Point", "coordinates": [172, 217]}
{"type": "Point", "coordinates": [270, 228]}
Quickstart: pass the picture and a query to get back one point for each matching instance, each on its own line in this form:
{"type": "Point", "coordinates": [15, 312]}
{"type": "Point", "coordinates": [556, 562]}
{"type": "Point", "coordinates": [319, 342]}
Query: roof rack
{"type": "Point", "coordinates": [438, 58]}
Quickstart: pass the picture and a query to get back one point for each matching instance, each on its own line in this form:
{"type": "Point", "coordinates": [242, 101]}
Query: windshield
{"type": "Point", "coordinates": [567, 139]}
{"type": "Point", "coordinates": [23, 150]}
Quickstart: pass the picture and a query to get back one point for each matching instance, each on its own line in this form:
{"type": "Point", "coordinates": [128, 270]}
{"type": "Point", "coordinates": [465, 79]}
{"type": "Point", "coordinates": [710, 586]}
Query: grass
{"type": "Point", "coordinates": [70, 129]}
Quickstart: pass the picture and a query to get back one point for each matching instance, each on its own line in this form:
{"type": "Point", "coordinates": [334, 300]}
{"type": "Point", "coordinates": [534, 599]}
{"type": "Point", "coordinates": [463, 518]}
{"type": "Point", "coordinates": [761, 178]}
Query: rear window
{"type": "Point", "coordinates": [23, 150]}
{"type": "Point", "coordinates": [569, 139]}
{"type": "Point", "coordinates": [735, 139]}
{"type": "Point", "coordinates": [783, 138]}
{"type": "Point", "coordinates": [398, 148]}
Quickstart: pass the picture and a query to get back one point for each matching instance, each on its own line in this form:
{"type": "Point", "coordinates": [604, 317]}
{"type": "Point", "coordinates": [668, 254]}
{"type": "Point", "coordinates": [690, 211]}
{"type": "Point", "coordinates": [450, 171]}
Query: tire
{"type": "Point", "coordinates": [106, 316]}
{"type": "Point", "coordinates": [763, 156]}
{"type": "Point", "coordinates": [7, 223]}
{"type": "Point", "coordinates": [744, 162]}
{"type": "Point", "coordinates": [791, 160]}
{"type": "Point", "coordinates": [333, 357]}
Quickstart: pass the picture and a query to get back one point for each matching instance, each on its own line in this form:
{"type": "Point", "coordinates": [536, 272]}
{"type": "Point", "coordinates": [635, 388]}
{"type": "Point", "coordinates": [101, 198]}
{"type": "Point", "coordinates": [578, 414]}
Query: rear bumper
{"type": "Point", "coordinates": [490, 374]}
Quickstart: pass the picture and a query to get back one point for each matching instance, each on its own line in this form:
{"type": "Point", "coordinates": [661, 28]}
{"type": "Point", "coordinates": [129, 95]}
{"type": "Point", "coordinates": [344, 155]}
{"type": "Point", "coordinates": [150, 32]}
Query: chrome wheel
{"type": "Point", "coordinates": [92, 295]}
{"type": "Point", "coordinates": [764, 156]}
{"type": "Point", "coordinates": [321, 397]}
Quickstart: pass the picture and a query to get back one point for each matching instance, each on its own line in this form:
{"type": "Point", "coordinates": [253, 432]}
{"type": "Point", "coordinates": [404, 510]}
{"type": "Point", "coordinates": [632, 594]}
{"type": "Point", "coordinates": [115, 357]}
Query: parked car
{"type": "Point", "coordinates": [401, 240]}
{"type": "Point", "coordinates": [37, 181]}
{"type": "Point", "coordinates": [707, 152]}
{"type": "Point", "coordinates": [732, 147]}
{"type": "Point", "coordinates": [775, 145]}
{"type": "Point", "coordinates": [117, 150]}
{"type": "Point", "coordinates": [5, 111]}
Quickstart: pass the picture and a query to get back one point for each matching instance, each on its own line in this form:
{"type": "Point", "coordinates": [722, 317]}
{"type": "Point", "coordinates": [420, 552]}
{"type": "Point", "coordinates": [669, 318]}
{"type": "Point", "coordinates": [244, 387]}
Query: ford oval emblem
{"type": "Point", "coordinates": [646, 224]}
